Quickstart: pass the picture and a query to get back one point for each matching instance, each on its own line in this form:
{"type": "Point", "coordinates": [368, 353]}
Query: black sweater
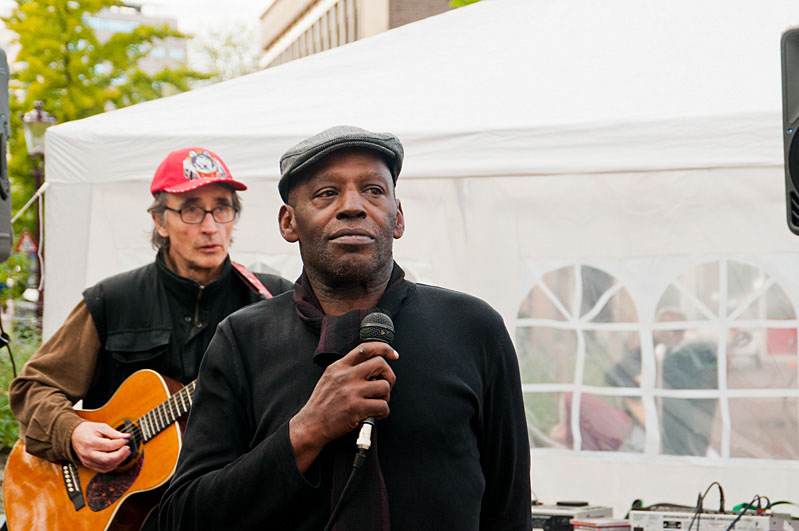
{"type": "Point", "coordinates": [454, 450]}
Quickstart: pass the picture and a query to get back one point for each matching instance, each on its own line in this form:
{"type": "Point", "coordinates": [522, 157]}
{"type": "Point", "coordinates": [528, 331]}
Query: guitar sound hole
{"type": "Point", "coordinates": [135, 444]}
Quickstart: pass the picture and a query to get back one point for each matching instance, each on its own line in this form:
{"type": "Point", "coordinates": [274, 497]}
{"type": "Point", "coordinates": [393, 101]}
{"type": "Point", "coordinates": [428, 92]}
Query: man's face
{"type": "Point", "coordinates": [345, 215]}
{"type": "Point", "coordinates": [197, 251]}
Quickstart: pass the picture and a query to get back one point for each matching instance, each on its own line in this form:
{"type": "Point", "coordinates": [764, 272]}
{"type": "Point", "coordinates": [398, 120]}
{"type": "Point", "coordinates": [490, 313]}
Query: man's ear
{"type": "Point", "coordinates": [160, 227]}
{"type": "Point", "coordinates": [399, 227]}
{"type": "Point", "coordinates": [288, 224]}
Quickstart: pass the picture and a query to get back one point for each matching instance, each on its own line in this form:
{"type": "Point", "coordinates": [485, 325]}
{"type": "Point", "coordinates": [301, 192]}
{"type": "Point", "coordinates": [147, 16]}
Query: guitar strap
{"type": "Point", "coordinates": [251, 280]}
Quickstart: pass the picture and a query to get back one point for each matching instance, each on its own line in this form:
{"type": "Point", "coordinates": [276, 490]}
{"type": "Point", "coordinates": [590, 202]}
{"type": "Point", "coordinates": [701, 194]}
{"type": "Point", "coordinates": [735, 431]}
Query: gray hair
{"type": "Point", "coordinates": [158, 208]}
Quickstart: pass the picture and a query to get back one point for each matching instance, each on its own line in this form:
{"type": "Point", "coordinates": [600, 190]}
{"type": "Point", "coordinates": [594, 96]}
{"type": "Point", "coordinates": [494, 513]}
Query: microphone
{"type": "Point", "coordinates": [376, 326]}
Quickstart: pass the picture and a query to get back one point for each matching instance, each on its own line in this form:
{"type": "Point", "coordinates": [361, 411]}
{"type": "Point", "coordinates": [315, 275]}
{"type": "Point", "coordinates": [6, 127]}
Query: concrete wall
{"type": "Point", "coordinates": [402, 12]}
{"type": "Point", "coordinates": [280, 16]}
{"type": "Point", "coordinates": [373, 17]}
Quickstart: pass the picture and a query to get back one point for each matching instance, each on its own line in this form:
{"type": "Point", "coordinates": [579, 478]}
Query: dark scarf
{"type": "Point", "coordinates": [339, 334]}
{"type": "Point", "coordinates": [366, 506]}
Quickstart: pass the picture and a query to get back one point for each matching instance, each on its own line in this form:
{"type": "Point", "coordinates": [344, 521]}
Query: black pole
{"type": "Point", "coordinates": [38, 179]}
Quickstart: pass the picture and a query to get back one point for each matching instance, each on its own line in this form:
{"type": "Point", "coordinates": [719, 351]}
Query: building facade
{"type": "Point", "coordinates": [167, 53]}
{"type": "Point", "coordinates": [291, 29]}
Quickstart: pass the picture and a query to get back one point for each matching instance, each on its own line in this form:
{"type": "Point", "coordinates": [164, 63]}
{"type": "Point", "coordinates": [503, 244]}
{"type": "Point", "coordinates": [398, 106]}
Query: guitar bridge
{"type": "Point", "coordinates": [69, 472]}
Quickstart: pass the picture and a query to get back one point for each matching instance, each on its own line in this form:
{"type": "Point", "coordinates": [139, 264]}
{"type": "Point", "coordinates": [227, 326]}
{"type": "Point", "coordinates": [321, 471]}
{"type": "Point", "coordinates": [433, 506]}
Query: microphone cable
{"type": "Point", "coordinates": [376, 326]}
{"type": "Point", "coordinates": [364, 443]}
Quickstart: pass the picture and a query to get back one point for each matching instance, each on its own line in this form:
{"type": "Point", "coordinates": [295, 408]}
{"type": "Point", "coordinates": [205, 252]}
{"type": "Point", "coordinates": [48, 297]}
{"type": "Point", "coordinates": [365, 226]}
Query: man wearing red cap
{"type": "Point", "coordinates": [160, 316]}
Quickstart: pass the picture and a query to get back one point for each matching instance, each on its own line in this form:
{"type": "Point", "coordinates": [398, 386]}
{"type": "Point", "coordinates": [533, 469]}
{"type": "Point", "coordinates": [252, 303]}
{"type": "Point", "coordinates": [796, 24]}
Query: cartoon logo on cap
{"type": "Point", "coordinates": [202, 165]}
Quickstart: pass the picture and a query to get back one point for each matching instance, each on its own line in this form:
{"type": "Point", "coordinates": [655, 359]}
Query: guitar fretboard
{"type": "Point", "coordinates": [166, 413]}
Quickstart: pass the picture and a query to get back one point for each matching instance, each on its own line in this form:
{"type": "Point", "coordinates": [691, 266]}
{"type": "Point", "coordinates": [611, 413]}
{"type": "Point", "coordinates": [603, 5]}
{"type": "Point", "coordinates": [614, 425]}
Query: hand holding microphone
{"type": "Point", "coordinates": [352, 388]}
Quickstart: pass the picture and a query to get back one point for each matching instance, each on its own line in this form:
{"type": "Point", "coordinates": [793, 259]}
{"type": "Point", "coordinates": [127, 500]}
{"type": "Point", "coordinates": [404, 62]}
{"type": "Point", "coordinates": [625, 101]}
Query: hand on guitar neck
{"type": "Point", "coordinates": [99, 446]}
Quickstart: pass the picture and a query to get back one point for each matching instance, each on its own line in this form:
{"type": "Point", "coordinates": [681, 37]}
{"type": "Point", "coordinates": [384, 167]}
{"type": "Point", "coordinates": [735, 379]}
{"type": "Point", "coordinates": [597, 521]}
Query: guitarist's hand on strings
{"type": "Point", "coordinates": [99, 446]}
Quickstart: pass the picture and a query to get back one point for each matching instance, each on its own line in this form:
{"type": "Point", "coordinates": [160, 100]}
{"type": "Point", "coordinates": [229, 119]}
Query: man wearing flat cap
{"type": "Point", "coordinates": [160, 316]}
{"type": "Point", "coordinates": [275, 438]}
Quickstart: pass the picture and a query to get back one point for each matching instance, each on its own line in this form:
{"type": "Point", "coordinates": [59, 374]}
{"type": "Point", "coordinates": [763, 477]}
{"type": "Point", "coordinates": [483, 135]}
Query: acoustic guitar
{"type": "Point", "coordinates": [40, 494]}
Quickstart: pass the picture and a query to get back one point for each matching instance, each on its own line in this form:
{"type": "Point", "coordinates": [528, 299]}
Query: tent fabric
{"type": "Point", "coordinates": [526, 81]}
{"type": "Point", "coordinates": [640, 139]}
{"type": "Point", "coordinates": [503, 88]}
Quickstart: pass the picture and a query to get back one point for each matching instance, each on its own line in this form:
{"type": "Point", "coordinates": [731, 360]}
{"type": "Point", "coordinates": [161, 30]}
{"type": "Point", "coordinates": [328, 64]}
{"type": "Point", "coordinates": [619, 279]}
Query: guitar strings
{"type": "Point", "coordinates": [185, 394]}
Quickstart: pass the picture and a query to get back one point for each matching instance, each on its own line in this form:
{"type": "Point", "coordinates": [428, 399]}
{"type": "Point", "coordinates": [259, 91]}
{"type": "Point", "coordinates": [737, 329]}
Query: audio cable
{"type": "Point", "coordinates": [363, 444]}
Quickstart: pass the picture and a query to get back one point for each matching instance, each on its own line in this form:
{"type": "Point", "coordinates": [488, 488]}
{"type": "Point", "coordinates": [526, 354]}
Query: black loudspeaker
{"type": "Point", "coordinates": [790, 122]}
{"type": "Point", "coordinates": [6, 232]}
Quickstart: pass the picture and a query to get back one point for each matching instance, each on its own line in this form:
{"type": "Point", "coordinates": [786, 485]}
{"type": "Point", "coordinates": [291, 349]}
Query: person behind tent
{"type": "Point", "coordinates": [160, 316]}
{"type": "Point", "coordinates": [684, 362]}
{"type": "Point", "coordinates": [453, 450]}
{"type": "Point", "coordinates": [604, 427]}
{"type": "Point", "coordinates": [688, 422]}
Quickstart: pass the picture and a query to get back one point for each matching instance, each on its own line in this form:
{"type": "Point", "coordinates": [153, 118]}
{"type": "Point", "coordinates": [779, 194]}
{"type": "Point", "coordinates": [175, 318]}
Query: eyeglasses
{"type": "Point", "coordinates": [194, 214]}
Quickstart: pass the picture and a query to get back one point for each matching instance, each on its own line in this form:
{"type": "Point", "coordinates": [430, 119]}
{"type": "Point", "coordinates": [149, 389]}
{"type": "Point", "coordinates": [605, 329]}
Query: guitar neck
{"type": "Point", "coordinates": [166, 413]}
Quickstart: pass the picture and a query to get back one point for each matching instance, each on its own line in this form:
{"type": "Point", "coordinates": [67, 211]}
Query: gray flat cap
{"type": "Point", "coordinates": [315, 148]}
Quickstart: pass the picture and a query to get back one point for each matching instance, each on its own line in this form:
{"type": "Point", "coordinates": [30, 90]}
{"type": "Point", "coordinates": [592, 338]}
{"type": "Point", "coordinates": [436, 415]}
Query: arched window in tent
{"type": "Point", "coordinates": [726, 364]}
{"type": "Point", "coordinates": [578, 342]}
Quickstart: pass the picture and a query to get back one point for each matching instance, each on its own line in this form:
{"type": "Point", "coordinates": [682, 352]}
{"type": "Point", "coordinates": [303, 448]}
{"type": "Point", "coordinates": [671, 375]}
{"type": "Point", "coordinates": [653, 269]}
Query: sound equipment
{"type": "Point", "coordinates": [558, 517]}
{"type": "Point", "coordinates": [668, 520]}
{"type": "Point", "coordinates": [790, 122]}
{"type": "Point", "coordinates": [6, 232]}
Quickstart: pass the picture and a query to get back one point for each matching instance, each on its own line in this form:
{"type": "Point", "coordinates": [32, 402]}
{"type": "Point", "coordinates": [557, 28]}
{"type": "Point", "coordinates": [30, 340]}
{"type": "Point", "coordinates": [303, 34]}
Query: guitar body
{"type": "Point", "coordinates": [35, 493]}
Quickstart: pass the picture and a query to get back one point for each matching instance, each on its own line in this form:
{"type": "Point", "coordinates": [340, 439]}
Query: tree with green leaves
{"type": "Point", "coordinates": [63, 63]}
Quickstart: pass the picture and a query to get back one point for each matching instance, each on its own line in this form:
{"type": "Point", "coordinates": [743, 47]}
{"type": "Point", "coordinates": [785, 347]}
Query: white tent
{"type": "Point", "coordinates": [634, 142]}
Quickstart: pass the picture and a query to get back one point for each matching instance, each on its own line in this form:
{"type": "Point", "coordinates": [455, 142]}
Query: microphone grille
{"type": "Point", "coordinates": [377, 326]}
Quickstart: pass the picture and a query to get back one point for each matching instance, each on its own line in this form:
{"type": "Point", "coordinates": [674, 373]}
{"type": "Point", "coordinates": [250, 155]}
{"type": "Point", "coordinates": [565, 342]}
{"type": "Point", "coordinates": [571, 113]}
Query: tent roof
{"type": "Point", "coordinates": [542, 86]}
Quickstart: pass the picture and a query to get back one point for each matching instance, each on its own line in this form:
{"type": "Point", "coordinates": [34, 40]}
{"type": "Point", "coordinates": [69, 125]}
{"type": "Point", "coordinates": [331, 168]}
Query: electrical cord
{"type": "Point", "coordinates": [721, 495]}
{"type": "Point", "coordinates": [363, 443]}
{"type": "Point", "coordinates": [747, 507]}
{"type": "Point", "coordinates": [700, 504]}
{"type": "Point", "coordinates": [697, 512]}
{"type": "Point", "coordinates": [772, 504]}
{"type": "Point", "coordinates": [360, 457]}
{"type": "Point", "coordinates": [759, 507]}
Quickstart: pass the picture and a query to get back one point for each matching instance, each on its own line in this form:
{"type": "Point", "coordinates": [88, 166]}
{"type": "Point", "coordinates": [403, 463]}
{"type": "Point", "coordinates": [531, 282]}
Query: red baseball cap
{"type": "Point", "coordinates": [190, 168]}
